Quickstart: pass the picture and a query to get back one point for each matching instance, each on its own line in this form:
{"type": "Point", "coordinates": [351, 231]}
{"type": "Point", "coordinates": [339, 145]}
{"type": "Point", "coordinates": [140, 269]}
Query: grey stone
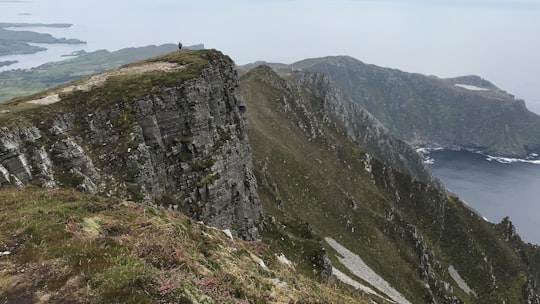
{"type": "Point", "coordinates": [183, 146]}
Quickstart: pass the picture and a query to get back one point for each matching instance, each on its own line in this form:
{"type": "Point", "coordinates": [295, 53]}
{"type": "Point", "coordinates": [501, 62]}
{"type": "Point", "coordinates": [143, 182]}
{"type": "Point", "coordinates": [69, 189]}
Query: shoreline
{"type": "Point", "coordinates": [532, 158]}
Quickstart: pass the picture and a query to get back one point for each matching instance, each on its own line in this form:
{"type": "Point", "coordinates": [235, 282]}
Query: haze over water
{"type": "Point", "coordinates": [495, 39]}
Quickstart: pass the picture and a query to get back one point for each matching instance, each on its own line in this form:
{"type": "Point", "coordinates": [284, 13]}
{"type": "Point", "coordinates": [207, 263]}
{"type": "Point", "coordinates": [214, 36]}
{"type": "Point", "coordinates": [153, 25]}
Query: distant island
{"type": "Point", "coordinates": [6, 63]}
{"type": "Point", "coordinates": [17, 42]}
{"type": "Point", "coordinates": [57, 25]}
{"type": "Point", "coordinates": [24, 82]}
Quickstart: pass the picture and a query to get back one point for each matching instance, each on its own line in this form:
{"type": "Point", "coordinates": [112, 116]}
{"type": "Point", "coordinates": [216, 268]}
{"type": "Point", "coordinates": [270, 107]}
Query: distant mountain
{"type": "Point", "coordinates": [457, 113]}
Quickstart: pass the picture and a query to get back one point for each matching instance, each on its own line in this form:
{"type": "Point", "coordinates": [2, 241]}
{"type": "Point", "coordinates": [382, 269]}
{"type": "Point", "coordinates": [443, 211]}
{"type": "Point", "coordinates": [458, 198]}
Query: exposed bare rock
{"type": "Point", "coordinates": [179, 141]}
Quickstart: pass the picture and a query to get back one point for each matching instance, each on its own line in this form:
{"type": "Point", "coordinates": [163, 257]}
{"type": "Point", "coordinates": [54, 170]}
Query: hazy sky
{"type": "Point", "coordinates": [496, 39]}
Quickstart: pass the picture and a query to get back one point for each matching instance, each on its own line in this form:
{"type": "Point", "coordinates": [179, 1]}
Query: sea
{"type": "Point", "coordinates": [444, 38]}
{"type": "Point", "coordinates": [495, 187]}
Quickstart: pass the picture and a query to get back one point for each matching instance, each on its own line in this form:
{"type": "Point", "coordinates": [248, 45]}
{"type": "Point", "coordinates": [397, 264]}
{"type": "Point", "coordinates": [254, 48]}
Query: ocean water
{"type": "Point", "coordinates": [494, 188]}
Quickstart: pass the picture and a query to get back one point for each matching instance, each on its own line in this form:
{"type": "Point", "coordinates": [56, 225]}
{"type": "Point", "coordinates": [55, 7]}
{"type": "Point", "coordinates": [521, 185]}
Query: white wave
{"type": "Point", "coordinates": [532, 158]}
{"type": "Point", "coordinates": [509, 160]}
{"type": "Point", "coordinates": [423, 150]}
{"type": "Point", "coordinates": [427, 150]}
{"type": "Point", "coordinates": [429, 160]}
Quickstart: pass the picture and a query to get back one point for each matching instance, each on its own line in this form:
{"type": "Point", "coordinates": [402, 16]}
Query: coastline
{"type": "Point", "coordinates": [8, 63]}
{"type": "Point", "coordinates": [532, 158]}
{"type": "Point", "coordinates": [14, 41]}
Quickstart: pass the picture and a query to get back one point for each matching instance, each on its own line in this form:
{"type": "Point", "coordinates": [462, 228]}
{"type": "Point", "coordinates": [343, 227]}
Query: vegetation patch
{"type": "Point", "coordinates": [70, 247]}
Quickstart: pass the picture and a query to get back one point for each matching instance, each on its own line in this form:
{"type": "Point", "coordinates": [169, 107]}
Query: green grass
{"type": "Point", "coordinates": [70, 247]}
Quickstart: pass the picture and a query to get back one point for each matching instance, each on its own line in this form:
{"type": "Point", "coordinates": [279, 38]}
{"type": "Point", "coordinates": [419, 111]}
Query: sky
{"type": "Point", "coordinates": [496, 39]}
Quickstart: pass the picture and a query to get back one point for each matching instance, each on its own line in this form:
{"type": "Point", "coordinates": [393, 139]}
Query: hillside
{"type": "Point", "coordinates": [322, 187]}
{"type": "Point", "coordinates": [458, 113]}
{"type": "Point", "coordinates": [62, 246]}
{"type": "Point", "coordinates": [109, 186]}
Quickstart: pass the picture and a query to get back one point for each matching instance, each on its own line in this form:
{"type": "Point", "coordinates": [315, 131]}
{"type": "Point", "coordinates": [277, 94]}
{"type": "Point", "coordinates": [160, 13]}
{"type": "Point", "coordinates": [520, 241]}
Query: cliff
{"type": "Point", "coordinates": [169, 131]}
{"type": "Point", "coordinates": [465, 112]}
{"type": "Point", "coordinates": [364, 128]}
{"type": "Point", "coordinates": [385, 233]}
{"type": "Point", "coordinates": [341, 224]}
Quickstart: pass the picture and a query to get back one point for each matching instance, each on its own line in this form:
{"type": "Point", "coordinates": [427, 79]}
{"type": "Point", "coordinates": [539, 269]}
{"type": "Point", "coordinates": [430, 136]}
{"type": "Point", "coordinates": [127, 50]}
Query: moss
{"type": "Point", "coordinates": [207, 179]}
{"type": "Point", "coordinates": [133, 145]}
{"type": "Point", "coordinates": [203, 164]}
{"type": "Point", "coordinates": [134, 191]}
{"type": "Point", "coordinates": [183, 139]}
{"type": "Point", "coordinates": [185, 156]}
{"type": "Point", "coordinates": [166, 200]}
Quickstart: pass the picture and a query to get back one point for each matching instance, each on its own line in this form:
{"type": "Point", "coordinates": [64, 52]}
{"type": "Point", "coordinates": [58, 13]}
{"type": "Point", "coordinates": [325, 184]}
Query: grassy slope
{"type": "Point", "coordinates": [318, 181]}
{"type": "Point", "coordinates": [67, 247]}
{"type": "Point", "coordinates": [322, 184]}
{"type": "Point", "coordinates": [117, 89]}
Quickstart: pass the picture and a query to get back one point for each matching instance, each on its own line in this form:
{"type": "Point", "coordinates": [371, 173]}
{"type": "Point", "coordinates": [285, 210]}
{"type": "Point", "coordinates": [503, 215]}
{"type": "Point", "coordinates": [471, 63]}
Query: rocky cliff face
{"type": "Point", "coordinates": [168, 131]}
{"type": "Point", "coordinates": [464, 112]}
{"type": "Point", "coordinates": [364, 128]}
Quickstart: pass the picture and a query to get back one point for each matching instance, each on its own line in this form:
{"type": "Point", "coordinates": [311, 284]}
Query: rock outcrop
{"type": "Point", "coordinates": [364, 128]}
{"type": "Point", "coordinates": [170, 132]}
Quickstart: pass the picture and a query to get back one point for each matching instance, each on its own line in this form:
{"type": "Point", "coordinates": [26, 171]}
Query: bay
{"type": "Point", "coordinates": [493, 188]}
{"type": "Point", "coordinates": [55, 52]}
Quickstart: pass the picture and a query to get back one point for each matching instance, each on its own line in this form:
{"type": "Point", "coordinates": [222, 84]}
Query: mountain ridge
{"type": "Point", "coordinates": [435, 112]}
{"type": "Point", "coordinates": [392, 221]}
{"type": "Point", "coordinates": [258, 156]}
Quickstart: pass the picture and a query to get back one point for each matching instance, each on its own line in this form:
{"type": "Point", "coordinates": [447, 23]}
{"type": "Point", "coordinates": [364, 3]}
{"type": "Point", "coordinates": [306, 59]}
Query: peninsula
{"type": "Point", "coordinates": [18, 42]}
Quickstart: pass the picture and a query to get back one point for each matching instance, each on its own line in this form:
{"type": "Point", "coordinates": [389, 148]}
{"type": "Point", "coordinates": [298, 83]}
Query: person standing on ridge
{"type": "Point", "coordinates": [179, 45]}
